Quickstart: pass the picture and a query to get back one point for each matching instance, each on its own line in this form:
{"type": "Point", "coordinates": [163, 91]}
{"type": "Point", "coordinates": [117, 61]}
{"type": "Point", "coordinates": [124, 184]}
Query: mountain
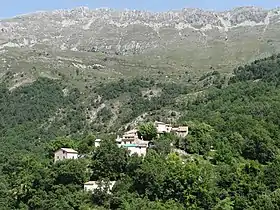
{"type": "Point", "coordinates": [109, 44]}
{"type": "Point", "coordinates": [80, 71]}
{"type": "Point", "coordinates": [68, 77]}
{"type": "Point", "coordinates": [228, 160]}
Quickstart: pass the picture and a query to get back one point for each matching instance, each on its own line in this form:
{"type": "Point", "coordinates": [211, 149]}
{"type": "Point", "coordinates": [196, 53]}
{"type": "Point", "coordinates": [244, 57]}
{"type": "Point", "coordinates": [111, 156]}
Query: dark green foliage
{"type": "Point", "coordinates": [137, 104]}
{"type": "Point", "coordinates": [114, 90]}
{"type": "Point", "coordinates": [30, 103]}
{"type": "Point", "coordinates": [268, 201]}
{"type": "Point", "coordinates": [147, 131]}
{"type": "Point", "coordinates": [58, 143]}
{"type": "Point", "coordinates": [163, 144]}
{"type": "Point", "coordinates": [246, 111]}
{"type": "Point", "coordinates": [109, 161]}
{"type": "Point", "coordinates": [104, 115]}
{"type": "Point", "coordinates": [191, 184]}
{"type": "Point", "coordinates": [70, 172]}
{"type": "Point", "coordinates": [266, 69]}
{"type": "Point", "coordinates": [39, 186]}
{"type": "Point", "coordinates": [229, 160]}
{"type": "Point", "coordinates": [34, 114]}
{"type": "Point", "coordinates": [146, 204]}
{"type": "Point", "coordinates": [200, 138]}
{"type": "Point", "coordinates": [272, 175]}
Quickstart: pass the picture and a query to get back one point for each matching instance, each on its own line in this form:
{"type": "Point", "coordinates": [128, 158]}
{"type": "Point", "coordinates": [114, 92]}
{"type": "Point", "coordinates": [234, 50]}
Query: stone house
{"type": "Point", "coordinates": [65, 153]}
{"type": "Point", "coordinates": [181, 131]}
{"type": "Point", "coordinates": [163, 127]}
{"type": "Point", "coordinates": [130, 137]}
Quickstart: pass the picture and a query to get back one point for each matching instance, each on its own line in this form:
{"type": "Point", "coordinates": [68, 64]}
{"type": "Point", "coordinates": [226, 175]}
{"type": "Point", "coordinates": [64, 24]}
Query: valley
{"type": "Point", "coordinates": [71, 77]}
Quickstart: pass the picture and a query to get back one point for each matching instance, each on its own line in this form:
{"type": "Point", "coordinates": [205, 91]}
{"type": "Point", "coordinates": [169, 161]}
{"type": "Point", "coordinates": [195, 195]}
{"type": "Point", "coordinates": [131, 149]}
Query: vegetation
{"type": "Point", "coordinates": [147, 131]}
{"type": "Point", "coordinates": [229, 160]}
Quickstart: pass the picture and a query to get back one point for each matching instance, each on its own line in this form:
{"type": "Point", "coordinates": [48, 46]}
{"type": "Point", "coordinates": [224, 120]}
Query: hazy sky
{"type": "Point", "coordinates": [11, 8]}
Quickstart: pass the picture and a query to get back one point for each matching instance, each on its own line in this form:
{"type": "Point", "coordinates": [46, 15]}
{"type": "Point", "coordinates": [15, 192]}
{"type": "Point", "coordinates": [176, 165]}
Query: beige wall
{"type": "Point", "coordinates": [61, 155]}
{"type": "Point", "coordinates": [97, 143]}
{"type": "Point", "coordinates": [161, 128]}
{"type": "Point", "coordinates": [138, 150]}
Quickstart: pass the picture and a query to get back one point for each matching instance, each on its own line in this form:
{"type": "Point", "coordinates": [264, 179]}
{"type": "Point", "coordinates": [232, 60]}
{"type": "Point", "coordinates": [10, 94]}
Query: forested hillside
{"type": "Point", "coordinates": [232, 159]}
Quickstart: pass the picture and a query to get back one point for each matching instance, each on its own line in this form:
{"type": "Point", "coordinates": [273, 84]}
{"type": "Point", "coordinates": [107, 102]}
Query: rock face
{"type": "Point", "coordinates": [84, 44]}
{"type": "Point", "coordinates": [130, 32]}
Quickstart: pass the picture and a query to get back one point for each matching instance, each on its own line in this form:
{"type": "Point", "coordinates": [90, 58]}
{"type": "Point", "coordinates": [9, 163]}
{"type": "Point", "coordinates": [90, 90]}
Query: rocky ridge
{"type": "Point", "coordinates": [125, 32]}
{"type": "Point", "coordinates": [84, 46]}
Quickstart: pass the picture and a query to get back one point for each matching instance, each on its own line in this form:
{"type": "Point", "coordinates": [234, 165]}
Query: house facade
{"type": "Point", "coordinates": [163, 127]}
{"type": "Point", "coordinates": [97, 142]}
{"type": "Point", "coordinates": [181, 131]}
{"type": "Point", "coordinates": [130, 137]}
{"type": "Point", "coordinates": [132, 143]}
{"type": "Point", "coordinates": [93, 185]}
{"type": "Point", "coordinates": [64, 154]}
{"type": "Point", "coordinates": [139, 149]}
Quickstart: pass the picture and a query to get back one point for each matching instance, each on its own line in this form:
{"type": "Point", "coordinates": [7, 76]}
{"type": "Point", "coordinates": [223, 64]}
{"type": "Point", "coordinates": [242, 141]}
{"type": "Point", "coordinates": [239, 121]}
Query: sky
{"type": "Point", "coordinates": [10, 8]}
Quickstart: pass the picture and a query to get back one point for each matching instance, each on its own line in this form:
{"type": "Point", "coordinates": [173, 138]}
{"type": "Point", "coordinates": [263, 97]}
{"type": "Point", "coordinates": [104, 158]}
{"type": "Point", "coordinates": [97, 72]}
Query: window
{"type": "Point", "coordinates": [57, 157]}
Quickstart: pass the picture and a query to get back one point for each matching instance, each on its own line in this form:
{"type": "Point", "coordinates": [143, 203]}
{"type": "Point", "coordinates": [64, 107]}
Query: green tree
{"type": "Point", "coordinates": [163, 143]}
{"type": "Point", "coordinates": [60, 142]}
{"type": "Point", "coordinates": [225, 204]}
{"type": "Point", "coordinates": [71, 172]}
{"type": "Point", "coordinates": [272, 174]}
{"type": "Point", "coordinates": [87, 144]}
{"type": "Point", "coordinates": [200, 138]}
{"type": "Point", "coordinates": [109, 161]}
{"type": "Point", "coordinates": [147, 130]}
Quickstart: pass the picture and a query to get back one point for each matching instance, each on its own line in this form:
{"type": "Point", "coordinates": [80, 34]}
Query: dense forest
{"type": "Point", "coordinates": [232, 159]}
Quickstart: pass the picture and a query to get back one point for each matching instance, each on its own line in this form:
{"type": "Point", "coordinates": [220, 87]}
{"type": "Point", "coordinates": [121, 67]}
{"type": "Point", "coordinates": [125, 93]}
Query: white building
{"type": "Point", "coordinates": [132, 143]}
{"type": "Point", "coordinates": [130, 137]}
{"type": "Point", "coordinates": [181, 131]}
{"type": "Point", "coordinates": [97, 142]}
{"type": "Point", "coordinates": [93, 185]}
{"type": "Point", "coordinates": [163, 127]}
{"type": "Point", "coordinates": [65, 153]}
{"type": "Point", "coordinates": [119, 141]}
{"type": "Point", "coordinates": [139, 149]}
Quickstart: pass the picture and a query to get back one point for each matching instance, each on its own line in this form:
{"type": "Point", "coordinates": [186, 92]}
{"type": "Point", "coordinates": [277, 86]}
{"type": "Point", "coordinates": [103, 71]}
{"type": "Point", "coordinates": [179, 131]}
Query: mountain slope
{"type": "Point", "coordinates": [112, 69]}
{"type": "Point", "coordinates": [65, 76]}
{"type": "Point", "coordinates": [104, 44]}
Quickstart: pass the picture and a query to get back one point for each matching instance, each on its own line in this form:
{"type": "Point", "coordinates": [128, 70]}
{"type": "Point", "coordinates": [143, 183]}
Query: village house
{"type": "Point", "coordinates": [139, 149]}
{"type": "Point", "coordinates": [181, 131]}
{"type": "Point", "coordinates": [65, 153]}
{"type": "Point", "coordinates": [163, 127]}
{"type": "Point", "coordinates": [130, 137]}
{"type": "Point", "coordinates": [132, 143]}
{"type": "Point", "coordinates": [93, 185]}
{"type": "Point", "coordinates": [97, 142]}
